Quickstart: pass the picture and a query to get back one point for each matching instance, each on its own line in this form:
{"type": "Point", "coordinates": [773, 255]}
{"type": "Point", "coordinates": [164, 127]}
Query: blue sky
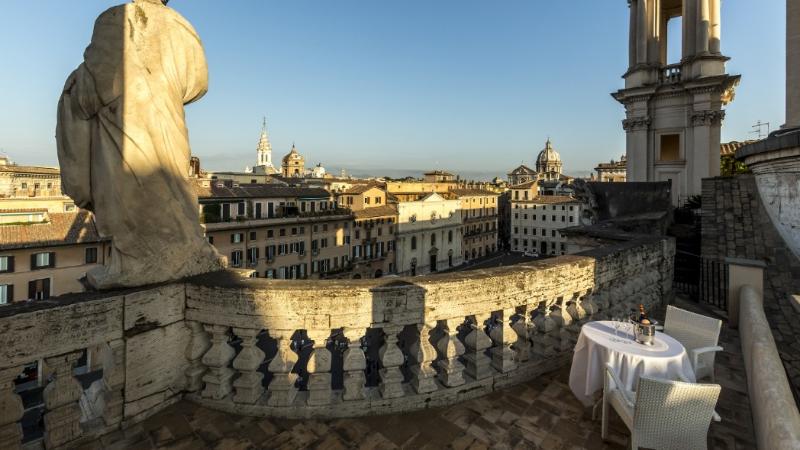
{"type": "Point", "coordinates": [382, 87]}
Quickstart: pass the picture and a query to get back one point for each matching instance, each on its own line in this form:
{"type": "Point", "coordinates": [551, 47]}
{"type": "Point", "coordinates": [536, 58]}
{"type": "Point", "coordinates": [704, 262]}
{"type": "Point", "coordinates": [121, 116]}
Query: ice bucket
{"type": "Point", "coordinates": [644, 334]}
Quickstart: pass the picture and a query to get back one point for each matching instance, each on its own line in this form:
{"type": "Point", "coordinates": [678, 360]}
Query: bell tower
{"type": "Point", "coordinates": [674, 112]}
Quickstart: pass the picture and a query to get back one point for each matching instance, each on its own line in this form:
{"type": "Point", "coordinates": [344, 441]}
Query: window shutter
{"type": "Point", "coordinates": [33, 262]}
{"type": "Point", "coordinates": [11, 264]}
{"type": "Point", "coordinates": [52, 259]}
{"type": "Point", "coordinates": [31, 289]}
{"type": "Point", "coordinates": [46, 288]}
{"type": "Point", "coordinates": [232, 239]}
{"type": "Point", "coordinates": [10, 293]}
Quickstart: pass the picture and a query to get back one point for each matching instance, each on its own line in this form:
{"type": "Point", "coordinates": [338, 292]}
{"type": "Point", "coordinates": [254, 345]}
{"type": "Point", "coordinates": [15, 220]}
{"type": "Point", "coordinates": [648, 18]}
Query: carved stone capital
{"type": "Point", "coordinates": [707, 117]}
{"type": "Point", "coordinates": [636, 123]}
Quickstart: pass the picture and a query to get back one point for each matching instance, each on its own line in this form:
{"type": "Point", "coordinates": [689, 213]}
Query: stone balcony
{"type": "Point", "coordinates": [321, 350]}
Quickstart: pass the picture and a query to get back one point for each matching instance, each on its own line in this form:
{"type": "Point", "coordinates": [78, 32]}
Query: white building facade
{"type": "Point", "coordinates": [428, 237]}
{"type": "Point", "coordinates": [537, 221]}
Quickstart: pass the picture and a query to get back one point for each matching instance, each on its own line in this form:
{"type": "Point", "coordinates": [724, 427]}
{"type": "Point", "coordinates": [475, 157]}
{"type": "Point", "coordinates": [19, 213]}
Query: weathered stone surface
{"type": "Point", "coordinates": [153, 308]}
{"type": "Point", "coordinates": [26, 337]}
{"type": "Point", "coordinates": [154, 362]}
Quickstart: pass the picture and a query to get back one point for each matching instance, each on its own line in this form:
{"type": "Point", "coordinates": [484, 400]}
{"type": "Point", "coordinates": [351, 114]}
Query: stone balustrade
{"type": "Point", "coordinates": [317, 348]}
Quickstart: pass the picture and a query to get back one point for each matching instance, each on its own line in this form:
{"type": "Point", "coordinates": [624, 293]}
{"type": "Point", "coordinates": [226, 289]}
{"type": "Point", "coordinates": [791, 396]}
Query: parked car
{"type": "Point", "coordinates": [532, 253]}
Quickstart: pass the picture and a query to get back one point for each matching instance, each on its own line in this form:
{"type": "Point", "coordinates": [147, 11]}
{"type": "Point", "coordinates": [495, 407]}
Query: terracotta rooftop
{"type": "Point", "coordinates": [360, 188]}
{"type": "Point", "coordinates": [258, 191]}
{"type": "Point", "coordinates": [527, 185]}
{"type": "Point", "coordinates": [60, 229]}
{"type": "Point", "coordinates": [377, 211]}
{"type": "Point", "coordinates": [729, 148]}
{"type": "Point", "coordinates": [552, 199]}
{"type": "Point", "coordinates": [473, 192]}
{"type": "Point", "coordinates": [31, 170]}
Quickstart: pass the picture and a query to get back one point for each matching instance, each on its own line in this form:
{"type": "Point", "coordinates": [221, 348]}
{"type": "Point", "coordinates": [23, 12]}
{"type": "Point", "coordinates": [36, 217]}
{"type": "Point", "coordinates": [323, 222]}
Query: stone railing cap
{"type": "Point", "coordinates": [745, 262]}
{"type": "Point", "coordinates": [779, 140]}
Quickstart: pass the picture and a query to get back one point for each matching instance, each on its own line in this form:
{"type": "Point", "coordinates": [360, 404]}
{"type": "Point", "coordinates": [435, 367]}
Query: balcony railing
{"type": "Point", "coordinates": [671, 74]}
{"type": "Point", "coordinates": [437, 339]}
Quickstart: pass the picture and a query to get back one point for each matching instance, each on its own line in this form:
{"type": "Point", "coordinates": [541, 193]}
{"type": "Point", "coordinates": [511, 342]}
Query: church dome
{"type": "Point", "coordinates": [548, 155]}
{"type": "Point", "coordinates": [292, 156]}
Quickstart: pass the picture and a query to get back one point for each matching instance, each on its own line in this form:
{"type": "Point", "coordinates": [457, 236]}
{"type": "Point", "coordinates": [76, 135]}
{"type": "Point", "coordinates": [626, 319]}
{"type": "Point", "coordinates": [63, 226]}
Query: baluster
{"type": "Point", "coordinates": [563, 321]}
{"type": "Point", "coordinates": [523, 328]}
{"type": "Point", "coordinates": [354, 363]}
{"type": "Point", "coordinates": [502, 336]}
{"type": "Point", "coordinates": [282, 390]}
{"type": "Point", "coordinates": [588, 304]}
{"type": "Point", "coordinates": [248, 385]}
{"type": "Point", "coordinates": [198, 346]}
{"type": "Point", "coordinates": [217, 358]}
{"type": "Point", "coordinates": [478, 365]}
{"type": "Point", "coordinates": [422, 355]}
{"type": "Point", "coordinates": [11, 410]}
{"type": "Point", "coordinates": [391, 357]}
{"type": "Point", "coordinates": [320, 391]}
{"type": "Point", "coordinates": [544, 341]}
{"type": "Point", "coordinates": [451, 371]}
{"type": "Point", "coordinates": [61, 396]}
{"type": "Point", "coordinates": [113, 381]}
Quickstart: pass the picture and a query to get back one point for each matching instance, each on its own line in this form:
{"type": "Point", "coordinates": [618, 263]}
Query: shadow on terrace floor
{"type": "Point", "coordinates": [539, 414]}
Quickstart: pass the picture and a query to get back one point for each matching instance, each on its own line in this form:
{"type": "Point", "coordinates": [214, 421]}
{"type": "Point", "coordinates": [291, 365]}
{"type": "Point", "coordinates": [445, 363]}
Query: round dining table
{"type": "Point", "coordinates": [600, 343]}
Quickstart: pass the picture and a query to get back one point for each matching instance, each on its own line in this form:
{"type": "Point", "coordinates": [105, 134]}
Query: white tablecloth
{"type": "Point", "coordinates": [597, 345]}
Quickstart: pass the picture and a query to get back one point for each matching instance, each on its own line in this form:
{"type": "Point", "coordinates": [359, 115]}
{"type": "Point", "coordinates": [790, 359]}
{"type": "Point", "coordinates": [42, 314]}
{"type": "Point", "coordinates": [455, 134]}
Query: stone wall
{"type": "Point", "coordinates": [319, 349]}
{"type": "Point", "coordinates": [736, 224]}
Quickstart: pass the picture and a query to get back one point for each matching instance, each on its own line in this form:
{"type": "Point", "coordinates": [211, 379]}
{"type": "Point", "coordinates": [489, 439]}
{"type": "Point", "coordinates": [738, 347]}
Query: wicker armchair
{"type": "Point", "coordinates": [699, 334]}
{"type": "Point", "coordinates": [662, 414]}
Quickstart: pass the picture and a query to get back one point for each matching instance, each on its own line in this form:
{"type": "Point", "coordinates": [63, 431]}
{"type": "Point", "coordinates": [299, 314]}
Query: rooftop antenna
{"type": "Point", "coordinates": [758, 129]}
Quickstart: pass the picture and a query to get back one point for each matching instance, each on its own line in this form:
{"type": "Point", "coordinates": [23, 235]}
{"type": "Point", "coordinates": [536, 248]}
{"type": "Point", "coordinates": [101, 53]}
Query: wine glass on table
{"type": "Point", "coordinates": [617, 322]}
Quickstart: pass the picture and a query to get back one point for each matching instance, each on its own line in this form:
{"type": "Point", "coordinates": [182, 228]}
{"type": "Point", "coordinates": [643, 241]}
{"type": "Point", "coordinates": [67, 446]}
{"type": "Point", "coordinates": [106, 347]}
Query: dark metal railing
{"type": "Point", "coordinates": [702, 279]}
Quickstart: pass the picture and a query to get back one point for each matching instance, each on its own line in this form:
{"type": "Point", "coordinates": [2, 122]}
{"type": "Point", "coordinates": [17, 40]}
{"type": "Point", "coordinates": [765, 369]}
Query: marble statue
{"type": "Point", "coordinates": [123, 145]}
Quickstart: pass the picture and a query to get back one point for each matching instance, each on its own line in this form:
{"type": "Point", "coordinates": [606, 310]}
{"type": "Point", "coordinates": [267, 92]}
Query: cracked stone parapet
{"type": "Point", "coordinates": [354, 362]}
{"type": "Point", "coordinates": [451, 371]}
{"type": "Point", "coordinates": [11, 409]}
{"type": "Point", "coordinates": [503, 336]}
{"type": "Point", "coordinates": [282, 389]}
{"type": "Point", "coordinates": [62, 415]}
{"type": "Point", "coordinates": [248, 385]}
{"type": "Point", "coordinates": [421, 355]}
{"type": "Point", "coordinates": [319, 369]}
{"type": "Point", "coordinates": [391, 357]}
{"type": "Point", "coordinates": [477, 364]}
{"type": "Point", "coordinates": [199, 343]}
{"type": "Point", "coordinates": [217, 359]}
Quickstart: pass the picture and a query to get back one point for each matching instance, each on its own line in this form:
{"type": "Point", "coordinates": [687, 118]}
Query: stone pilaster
{"type": "Point", "coordinates": [113, 381]}
{"type": "Point", "coordinates": [282, 390]}
{"type": "Point", "coordinates": [319, 369]}
{"type": "Point", "coordinates": [422, 355]}
{"type": "Point", "coordinates": [198, 346]}
{"type": "Point", "coordinates": [451, 371]}
{"type": "Point", "coordinates": [354, 363]}
{"type": "Point", "coordinates": [248, 385]}
{"type": "Point", "coordinates": [63, 414]}
{"type": "Point", "coordinates": [391, 357]}
{"type": "Point", "coordinates": [11, 410]}
{"type": "Point", "coordinates": [503, 337]}
{"type": "Point", "coordinates": [478, 365]}
{"type": "Point", "coordinates": [217, 359]}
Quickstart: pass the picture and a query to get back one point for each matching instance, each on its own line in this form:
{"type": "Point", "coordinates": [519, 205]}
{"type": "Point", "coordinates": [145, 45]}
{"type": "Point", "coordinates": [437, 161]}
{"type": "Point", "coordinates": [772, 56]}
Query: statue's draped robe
{"type": "Point", "coordinates": [123, 144]}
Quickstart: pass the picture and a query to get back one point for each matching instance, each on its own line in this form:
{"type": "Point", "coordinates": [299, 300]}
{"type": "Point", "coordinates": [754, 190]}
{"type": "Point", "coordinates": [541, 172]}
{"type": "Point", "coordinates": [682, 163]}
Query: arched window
{"type": "Point", "coordinates": [433, 239]}
{"type": "Point", "coordinates": [413, 242]}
